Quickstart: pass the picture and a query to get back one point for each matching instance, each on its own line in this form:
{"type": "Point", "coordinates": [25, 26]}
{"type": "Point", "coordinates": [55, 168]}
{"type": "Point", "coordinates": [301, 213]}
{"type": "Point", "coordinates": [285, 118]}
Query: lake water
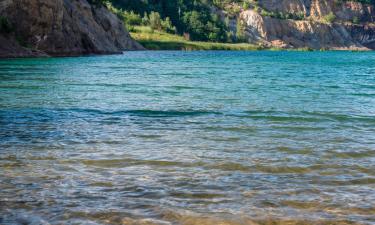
{"type": "Point", "coordinates": [188, 138]}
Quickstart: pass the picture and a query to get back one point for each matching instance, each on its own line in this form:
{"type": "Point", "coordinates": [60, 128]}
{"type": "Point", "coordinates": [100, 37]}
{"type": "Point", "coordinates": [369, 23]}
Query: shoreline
{"type": "Point", "coordinates": [44, 56]}
{"type": "Point", "coordinates": [193, 46]}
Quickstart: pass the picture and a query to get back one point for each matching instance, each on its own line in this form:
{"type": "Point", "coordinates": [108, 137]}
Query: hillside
{"type": "Point", "coordinates": [60, 28]}
{"type": "Point", "coordinates": [315, 24]}
{"type": "Point", "coordinates": [69, 27]}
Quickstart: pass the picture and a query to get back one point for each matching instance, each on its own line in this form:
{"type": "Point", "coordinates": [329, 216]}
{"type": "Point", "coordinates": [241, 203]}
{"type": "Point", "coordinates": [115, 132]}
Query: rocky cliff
{"type": "Point", "coordinates": [315, 24]}
{"type": "Point", "coordinates": [60, 28]}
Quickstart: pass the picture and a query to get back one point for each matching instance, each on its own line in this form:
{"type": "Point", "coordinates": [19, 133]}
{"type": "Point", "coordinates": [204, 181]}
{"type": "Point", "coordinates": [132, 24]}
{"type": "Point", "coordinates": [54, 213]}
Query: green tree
{"type": "Point", "coordinates": [155, 21]}
{"type": "Point", "coordinates": [329, 18]}
{"type": "Point", "coordinates": [194, 25]}
{"type": "Point", "coordinates": [131, 18]}
{"type": "Point", "coordinates": [168, 26]}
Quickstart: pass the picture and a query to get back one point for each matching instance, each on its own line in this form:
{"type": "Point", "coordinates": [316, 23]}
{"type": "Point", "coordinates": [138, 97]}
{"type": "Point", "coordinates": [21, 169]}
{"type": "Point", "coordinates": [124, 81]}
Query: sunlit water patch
{"type": "Point", "coordinates": [189, 138]}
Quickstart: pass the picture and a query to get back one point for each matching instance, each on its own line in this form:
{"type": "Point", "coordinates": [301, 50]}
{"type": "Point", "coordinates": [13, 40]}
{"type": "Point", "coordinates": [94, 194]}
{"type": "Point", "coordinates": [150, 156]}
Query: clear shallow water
{"type": "Point", "coordinates": [188, 138]}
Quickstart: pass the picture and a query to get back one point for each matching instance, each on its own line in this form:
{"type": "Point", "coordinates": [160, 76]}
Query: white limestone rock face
{"type": "Point", "coordinates": [312, 31]}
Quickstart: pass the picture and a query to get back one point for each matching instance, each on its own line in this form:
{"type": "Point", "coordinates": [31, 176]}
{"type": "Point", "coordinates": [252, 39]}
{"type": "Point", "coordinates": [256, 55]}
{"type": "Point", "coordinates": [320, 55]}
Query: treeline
{"type": "Point", "coordinates": [191, 17]}
{"type": "Point", "coordinates": [195, 18]}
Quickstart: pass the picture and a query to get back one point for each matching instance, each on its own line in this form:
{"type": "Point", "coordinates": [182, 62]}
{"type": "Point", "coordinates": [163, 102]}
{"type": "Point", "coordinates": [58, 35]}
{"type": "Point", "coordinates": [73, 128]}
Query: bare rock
{"type": "Point", "coordinates": [63, 28]}
{"type": "Point", "coordinates": [312, 31]}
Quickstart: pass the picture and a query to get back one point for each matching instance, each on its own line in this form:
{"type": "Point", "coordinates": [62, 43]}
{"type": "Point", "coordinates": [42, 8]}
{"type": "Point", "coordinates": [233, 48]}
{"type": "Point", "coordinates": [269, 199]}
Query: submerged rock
{"type": "Point", "coordinates": [61, 28]}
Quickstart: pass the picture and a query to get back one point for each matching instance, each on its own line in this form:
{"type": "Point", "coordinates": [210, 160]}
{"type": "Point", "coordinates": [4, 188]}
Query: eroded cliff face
{"type": "Point", "coordinates": [303, 23]}
{"type": "Point", "coordinates": [61, 28]}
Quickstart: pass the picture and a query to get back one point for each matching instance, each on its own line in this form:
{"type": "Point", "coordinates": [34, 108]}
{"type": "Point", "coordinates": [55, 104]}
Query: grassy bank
{"type": "Point", "coordinates": [158, 40]}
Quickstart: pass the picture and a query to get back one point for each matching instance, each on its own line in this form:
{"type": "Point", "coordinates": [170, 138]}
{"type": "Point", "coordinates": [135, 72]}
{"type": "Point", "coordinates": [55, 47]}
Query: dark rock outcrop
{"type": "Point", "coordinates": [61, 28]}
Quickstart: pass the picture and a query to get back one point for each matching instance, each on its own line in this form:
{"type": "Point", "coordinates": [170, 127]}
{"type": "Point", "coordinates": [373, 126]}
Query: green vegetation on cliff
{"type": "Point", "coordinates": [198, 18]}
{"type": "Point", "coordinates": [183, 16]}
{"type": "Point", "coordinates": [160, 40]}
{"type": "Point", "coordinates": [223, 21]}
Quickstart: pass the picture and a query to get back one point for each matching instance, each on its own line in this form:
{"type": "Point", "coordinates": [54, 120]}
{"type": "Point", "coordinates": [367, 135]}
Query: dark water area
{"type": "Point", "coordinates": [189, 138]}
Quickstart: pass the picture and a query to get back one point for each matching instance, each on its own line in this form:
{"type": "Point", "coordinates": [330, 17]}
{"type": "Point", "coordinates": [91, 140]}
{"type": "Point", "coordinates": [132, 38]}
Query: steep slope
{"type": "Point", "coordinates": [61, 28]}
{"type": "Point", "coordinates": [315, 24]}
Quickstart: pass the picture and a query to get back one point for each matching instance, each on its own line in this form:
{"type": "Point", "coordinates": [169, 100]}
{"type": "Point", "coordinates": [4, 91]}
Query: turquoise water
{"type": "Point", "coordinates": [188, 138]}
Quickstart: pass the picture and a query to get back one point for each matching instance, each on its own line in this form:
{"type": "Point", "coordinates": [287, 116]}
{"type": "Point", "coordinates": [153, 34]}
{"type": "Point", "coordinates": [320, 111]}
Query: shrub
{"type": "Point", "coordinates": [131, 18]}
{"type": "Point", "coordinates": [145, 20]}
{"type": "Point", "coordinates": [155, 21]}
{"type": "Point", "coordinates": [283, 15]}
{"type": "Point", "coordinates": [246, 5]}
{"type": "Point", "coordinates": [240, 31]}
{"type": "Point", "coordinates": [194, 23]}
{"type": "Point", "coordinates": [356, 20]}
{"type": "Point", "coordinates": [204, 27]}
{"type": "Point", "coordinates": [329, 18]}
{"type": "Point", "coordinates": [167, 26]}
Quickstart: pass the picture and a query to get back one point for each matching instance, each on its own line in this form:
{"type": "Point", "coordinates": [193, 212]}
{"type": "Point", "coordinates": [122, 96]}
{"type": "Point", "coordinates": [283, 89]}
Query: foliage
{"type": "Point", "coordinates": [240, 31]}
{"type": "Point", "coordinates": [204, 27]}
{"type": "Point", "coordinates": [283, 15]}
{"type": "Point", "coordinates": [329, 18]}
{"type": "Point", "coordinates": [168, 26]}
{"type": "Point", "coordinates": [181, 16]}
{"type": "Point", "coordinates": [356, 20]}
{"type": "Point", "coordinates": [155, 21]}
{"type": "Point", "coordinates": [131, 18]}
{"type": "Point", "coordinates": [5, 26]}
{"type": "Point", "coordinates": [159, 40]}
{"type": "Point", "coordinates": [195, 18]}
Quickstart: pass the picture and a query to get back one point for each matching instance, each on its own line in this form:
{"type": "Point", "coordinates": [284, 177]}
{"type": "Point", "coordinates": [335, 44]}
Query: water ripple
{"type": "Point", "coordinates": [188, 138]}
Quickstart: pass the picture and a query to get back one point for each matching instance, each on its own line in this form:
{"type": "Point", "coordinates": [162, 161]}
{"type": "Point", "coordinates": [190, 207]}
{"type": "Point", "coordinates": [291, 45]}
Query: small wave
{"type": "Point", "coordinates": [288, 150]}
{"type": "Point", "coordinates": [279, 116]}
{"type": "Point", "coordinates": [223, 139]}
{"type": "Point", "coordinates": [305, 116]}
{"type": "Point", "coordinates": [298, 128]}
{"type": "Point", "coordinates": [359, 181]}
{"type": "Point", "coordinates": [333, 169]}
{"type": "Point", "coordinates": [126, 162]}
{"type": "Point", "coordinates": [236, 129]}
{"type": "Point", "coordinates": [368, 86]}
{"type": "Point", "coordinates": [303, 204]}
{"type": "Point", "coordinates": [283, 169]}
{"type": "Point", "coordinates": [147, 113]}
{"type": "Point", "coordinates": [342, 117]}
{"type": "Point", "coordinates": [22, 87]}
{"type": "Point", "coordinates": [364, 94]}
{"type": "Point", "coordinates": [229, 166]}
{"type": "Point", "coordinates": [196, 195]}
{"type": "Point", "coordinates": [148, 136]}
{"type": "Point", "coordinates": [357, 154]}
